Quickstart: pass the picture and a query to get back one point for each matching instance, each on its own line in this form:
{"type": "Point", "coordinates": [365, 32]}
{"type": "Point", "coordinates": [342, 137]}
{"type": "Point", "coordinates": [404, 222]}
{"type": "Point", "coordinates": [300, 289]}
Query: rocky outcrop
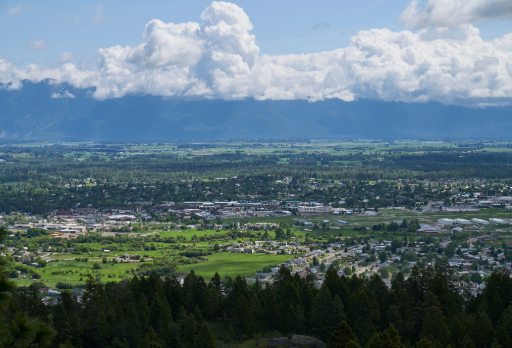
{"type": "Point", "coordinates": [297, 341]}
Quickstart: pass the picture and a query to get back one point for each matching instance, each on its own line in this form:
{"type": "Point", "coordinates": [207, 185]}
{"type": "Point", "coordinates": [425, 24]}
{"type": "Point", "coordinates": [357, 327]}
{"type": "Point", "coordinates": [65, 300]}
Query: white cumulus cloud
{"type": "Point", "coordinates": [15, 11]}
{"type": "Point", "coordinates": [64, 94]}
{"type": "Point", "coordinates": [66, 57]}
{"type": "Point", "coordinates": [449, 13]}
{"type": "Point", "coordinates": [219, 58]}
{"type": "Point", "coordinates": [36, 45]}
{"type": "Point", "coordinates": [98, 14]}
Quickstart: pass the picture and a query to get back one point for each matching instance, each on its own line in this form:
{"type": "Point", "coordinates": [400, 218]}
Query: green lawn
{"type": "Point", "coordinates": [76, 271]}
{"type": "Point", "coordinates": [233, 264]}
{"type": "Point", "coordinates": [190, 233]}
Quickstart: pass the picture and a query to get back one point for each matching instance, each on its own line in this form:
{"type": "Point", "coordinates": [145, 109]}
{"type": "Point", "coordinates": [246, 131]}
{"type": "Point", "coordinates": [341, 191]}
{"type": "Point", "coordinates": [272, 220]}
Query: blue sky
{"type": "Point", "coordinates": [452, 51]}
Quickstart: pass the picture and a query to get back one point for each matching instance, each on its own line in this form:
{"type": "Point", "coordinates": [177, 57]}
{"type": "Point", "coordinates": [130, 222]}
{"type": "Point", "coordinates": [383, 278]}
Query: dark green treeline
{"type": "Point", "coordinates": [426, 310]}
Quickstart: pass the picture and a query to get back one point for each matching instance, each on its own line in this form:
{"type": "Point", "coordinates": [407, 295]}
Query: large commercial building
{"type": "Point", "coordinates": [315, 209]}
{"type": "Point", "coordinates": [446, 221]}
{"type": "Point", "coordinates": [498, 221]}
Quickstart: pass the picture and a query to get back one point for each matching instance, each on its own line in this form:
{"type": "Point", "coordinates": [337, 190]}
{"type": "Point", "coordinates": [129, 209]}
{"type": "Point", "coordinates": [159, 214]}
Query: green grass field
{"type": "Point", "coordinates": [233, 264]}
{"type": "Point", "coordinates": [74, 271]}
{"type": "Point", "coordinates": [227, 264]}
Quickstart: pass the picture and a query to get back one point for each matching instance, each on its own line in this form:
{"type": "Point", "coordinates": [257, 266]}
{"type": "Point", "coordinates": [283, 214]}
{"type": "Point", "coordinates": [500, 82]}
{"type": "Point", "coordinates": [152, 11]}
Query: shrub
{"type": "Point", "coordinates": [61, 285]}
{"type": "Point", "coordinates": [96, 265]}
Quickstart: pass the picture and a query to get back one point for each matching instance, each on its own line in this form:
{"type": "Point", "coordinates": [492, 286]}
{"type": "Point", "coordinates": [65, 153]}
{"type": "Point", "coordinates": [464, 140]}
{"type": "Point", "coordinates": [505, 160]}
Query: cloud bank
{"type": "Point", "coordinates": [219, 58]}
{"type": "Point", "coordinates": [449, 13]}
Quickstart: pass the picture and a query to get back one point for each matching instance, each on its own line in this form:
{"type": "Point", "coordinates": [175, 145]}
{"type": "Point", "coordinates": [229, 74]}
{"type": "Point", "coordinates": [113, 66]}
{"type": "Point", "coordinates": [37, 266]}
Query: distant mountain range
{"type": "Point", "coordinates": [30, 113]}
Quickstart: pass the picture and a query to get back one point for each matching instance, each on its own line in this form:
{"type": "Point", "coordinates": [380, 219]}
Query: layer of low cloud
{"type": "Point", "coordinates": [219, 58]}
{"type": "Point", "coordinates": [450, 13]}
{"type": "Point", "coordinates": [36, 45]}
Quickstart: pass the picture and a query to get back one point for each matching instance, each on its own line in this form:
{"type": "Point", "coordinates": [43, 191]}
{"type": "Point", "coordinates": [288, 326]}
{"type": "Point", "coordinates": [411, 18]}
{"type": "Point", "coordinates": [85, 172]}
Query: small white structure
{"type": "Point", "coordinates": [343, 222]}
{"type": "Point", "coordinates": [498, 221]}
{"type": "Point", "coordinates": [462, 221]}
{"type": "Point", "coordinates": [457, 229]}
{"type": "Point", "coordinates": [480, 221]}
{"type": "Point", "coordinates": [446, 221]}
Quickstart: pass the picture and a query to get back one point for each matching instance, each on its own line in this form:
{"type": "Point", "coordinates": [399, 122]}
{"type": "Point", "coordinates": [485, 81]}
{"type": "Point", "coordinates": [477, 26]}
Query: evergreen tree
{"type": "Point", "coordinates": [171, 336]}
{"type": "Point", "coordinates": [363, 315]}
{"type": "Point", "coordinates": [321, 320]}
{"type": "Point", "coordinates": [386, 339]}
{"type": "Point", "coordinates": [150, 340]}
{"type": "Point", "coordinates": [434, 325]}
{"type": "Point", "coordinates": [283, 276]}
{"type": "Point", "coordinates": [395, 317]}
{"type": "Point", "coordinates": [216, 283]}
{"type": "Point", "coordinates": [468, 343]}
{"type": "Point", "coordinates": [301, 320]}
{"type": "Point", "coordinates": [332, 281]}
{"type": "Point", "coordinates": [342, 337]}
{"type": "Point", "coordinates": [182, 318]}
{"type": "Point", "coordinates": [61, 324]}
{"type": "Point", "coordinates": [132, 325]}
{"type": "Point", "coordinates": [338, 315]}
{"type": "Point", "coordinates": [430, 301]}
{"type": "Point", "coordinates": [457, 332]}
{"type": "Point", "coordinates": [198, 317]}
{"type": "Point", "coordinates": [159, 314]}
{"type": "Point", "coordinates": [308, 291]}
{"type": "Point", "coordinates": [382, 296]}
{"type": "Point", "coordinates": [256, 304]}
{"type": "Point", "coordinates": [173, 294]}
{"type": "Point", "coordinates": [480, 329]}
{"type": "Point", "coordinates": [243, 320]}
{"type": "Point", "coordinates": [189, 332]}
{"type": "Point", "coordinates": [289, 294]}
{"type": "Point", "coordinates": [205, 338]}
{"type": "Point", "coordinates": [272, 312]}
{"type": "Point", "coordinates": [22, 331]}
{"type": "Point", "coordinates": [290, 320]}
{"type": "Point", "coordinates": [214, 303]}
{"type": "Point", "coordinates": [424, 343]}
{"type": "Point", "coordinates": [498, 293]}
{"type": "Point", "coordinates": [143, 312]}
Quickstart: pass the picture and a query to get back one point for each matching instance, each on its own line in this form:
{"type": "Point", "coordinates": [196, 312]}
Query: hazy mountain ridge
{"type": "Point", "coordinates": [31, 113]}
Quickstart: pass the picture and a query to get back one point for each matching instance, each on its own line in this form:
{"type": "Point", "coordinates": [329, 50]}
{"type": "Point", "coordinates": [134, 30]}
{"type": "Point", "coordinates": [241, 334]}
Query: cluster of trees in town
{"type": "Point", "coordinates": [39, 183]}
{"type": "Point", "coordinates": [44, 166]}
